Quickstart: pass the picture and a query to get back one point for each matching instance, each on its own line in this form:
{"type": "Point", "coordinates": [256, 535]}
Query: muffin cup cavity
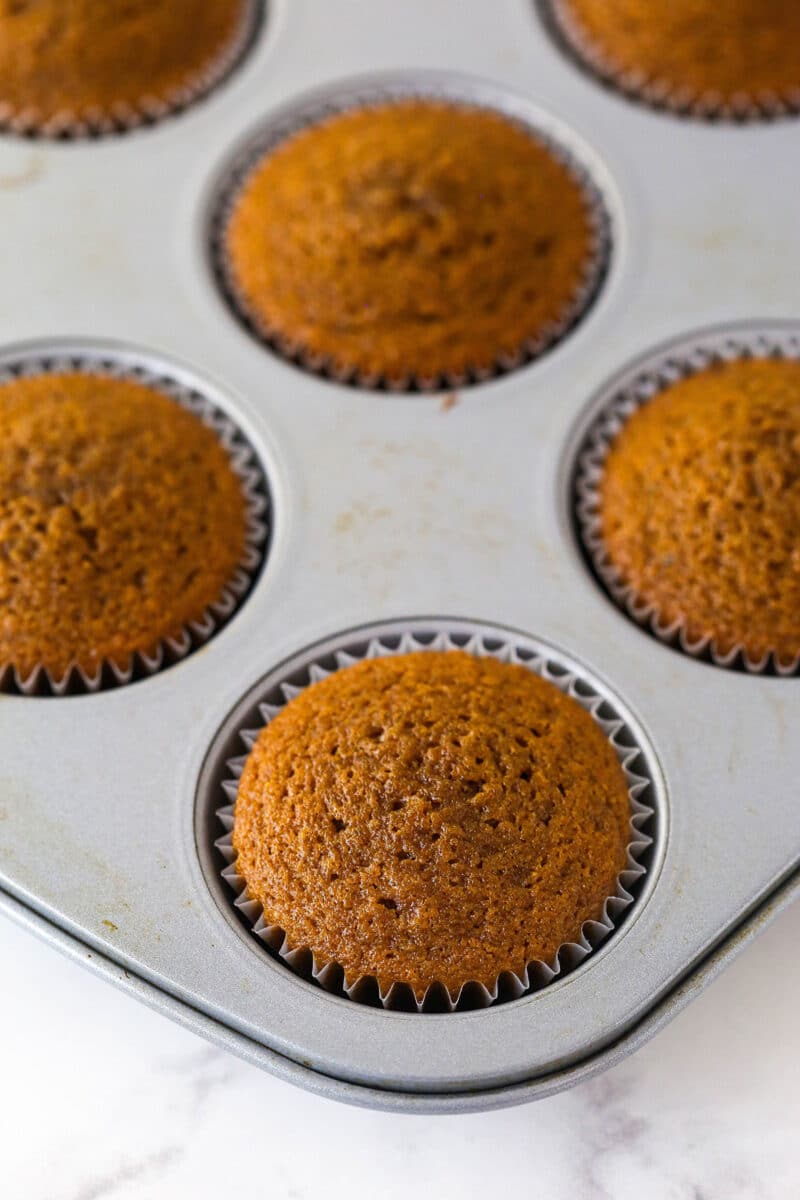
{"type": "Point", "coordinates": [402, 638]}
{"type": "Point", "coordinates": [245, 465]}
{"type": "Point", "coordinates": [124, 117]}
{"type": "Point", "coordinates": [578, 45]}
{"type": "Point", "coordinates": [629, 392]}
{"type": "Point", "coordinates": [376, 96]}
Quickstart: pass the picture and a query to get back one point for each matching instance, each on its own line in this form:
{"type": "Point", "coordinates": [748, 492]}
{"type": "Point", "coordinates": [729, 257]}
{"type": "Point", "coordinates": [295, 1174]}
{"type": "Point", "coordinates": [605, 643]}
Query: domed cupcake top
{"type": "Point", "coordinates": [432, 817]}
{"type": "Point", "coordinates": [740, 54]}
{"type": "Point", "coordinates": [74, 62]}
{"type": "Point", "coordinates": [699, 506]}
{"type": "Point", "coordinates": [409, 240]}
{"type": "Point", "coordinates": [121, 521]}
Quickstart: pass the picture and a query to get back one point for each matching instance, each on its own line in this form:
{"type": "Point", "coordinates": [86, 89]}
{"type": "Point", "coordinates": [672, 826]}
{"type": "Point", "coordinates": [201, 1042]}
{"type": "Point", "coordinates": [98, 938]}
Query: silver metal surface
{"type": "Point", "coordinates": [480, 1101]}
{"type": "Point", "coordinates": [393, 505]}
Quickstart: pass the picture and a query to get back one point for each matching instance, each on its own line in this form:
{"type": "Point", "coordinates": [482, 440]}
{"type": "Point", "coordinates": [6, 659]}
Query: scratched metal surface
{"type": "Point", "coordinates": [390, 506]}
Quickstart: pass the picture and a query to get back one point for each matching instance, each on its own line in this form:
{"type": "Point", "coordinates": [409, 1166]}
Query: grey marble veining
{"type": "Point", "coordinates": [104, 1100]}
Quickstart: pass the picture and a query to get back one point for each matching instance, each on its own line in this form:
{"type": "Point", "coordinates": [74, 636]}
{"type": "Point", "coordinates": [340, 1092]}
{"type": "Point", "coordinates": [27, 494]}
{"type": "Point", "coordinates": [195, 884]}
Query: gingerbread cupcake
{"type": "Point", "coordinates": [740, 58]}
{"type": "Point", "coordinates": [691, 511]}
{"type": "Point", "coordinates": [78, 66]}
{"type": "Point", "coordinates": [430, 820]}
{"type": "Point", "coordinates": [411, 241]}
{"type": "Point", "coordinates": [125, 532]}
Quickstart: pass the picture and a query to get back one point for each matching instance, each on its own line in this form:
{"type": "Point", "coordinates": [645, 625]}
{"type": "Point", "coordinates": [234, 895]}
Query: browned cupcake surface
{"type": "Point", "coordinates": [735, 48]}
{"type": "Point", "coordinates": [88, 57]}
{"type": "Point", "coordinates": [413, 238]}
{"type": "Point", "coordinates": [700, 505]}
{"type": "Point", "coordinates": [121, 520]}
{"type": "Point", "coordinates": [432, 817]}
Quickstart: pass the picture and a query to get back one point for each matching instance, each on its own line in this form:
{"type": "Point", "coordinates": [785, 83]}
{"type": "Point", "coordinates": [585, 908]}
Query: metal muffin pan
{"type": "Point", "coordinates": [427, 507]}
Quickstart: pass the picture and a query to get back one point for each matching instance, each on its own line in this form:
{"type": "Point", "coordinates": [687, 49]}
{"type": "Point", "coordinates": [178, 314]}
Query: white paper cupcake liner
{"type": "Point", "coordinates": [149, 110]}
{"type": "Point", "coordinates": [636, 389]}
{"type": "Point", "coordinates": [654, 92]}
{"type": "Point", "coordinates": [509, 985]}
{"type": "Point", "coordinates": [245, 464]}
{"type": "Point", "coordinates": [376, 96]}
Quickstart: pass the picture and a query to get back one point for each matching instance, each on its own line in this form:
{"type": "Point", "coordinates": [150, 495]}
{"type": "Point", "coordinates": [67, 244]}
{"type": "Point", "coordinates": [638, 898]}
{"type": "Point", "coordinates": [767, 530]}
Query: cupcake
{"type": "Point", "coordinates": [741, 57]}
{"type": "Point", "coordinates": [697, 511]}
{"type": "Point", "coordinates": [411, 241]}
{"type": "Point", "coordinates": [122, 523]}
{"type": "Point", "coordinates": [66, 67]}
{"type": "Point", "coordinates": [431, 819]}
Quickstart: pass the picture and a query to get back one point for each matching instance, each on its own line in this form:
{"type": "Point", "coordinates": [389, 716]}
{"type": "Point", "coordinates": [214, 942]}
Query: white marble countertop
{"type": "Point", "coordinates": [102, 1098]}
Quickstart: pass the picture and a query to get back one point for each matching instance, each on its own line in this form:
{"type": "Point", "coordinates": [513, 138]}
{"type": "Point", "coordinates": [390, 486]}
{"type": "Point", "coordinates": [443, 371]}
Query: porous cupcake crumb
{"type": "Point", "coordinates": [432, 817]}
{"type": "Point", "coordinates": [700, 506]}
{"type": "Point", "coordinates": [121, 520]}
{"type": "Point", "coordinates": [410, 240]}
{"type": "Point", "coordinates": [91, 61]}
{"type": "Point", "coordinates": [726, 53]}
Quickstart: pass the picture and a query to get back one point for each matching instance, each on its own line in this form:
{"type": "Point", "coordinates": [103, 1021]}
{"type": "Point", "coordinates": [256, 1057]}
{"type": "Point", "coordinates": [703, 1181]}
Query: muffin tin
{"type": "Point", "coordinates": [416, 512]}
